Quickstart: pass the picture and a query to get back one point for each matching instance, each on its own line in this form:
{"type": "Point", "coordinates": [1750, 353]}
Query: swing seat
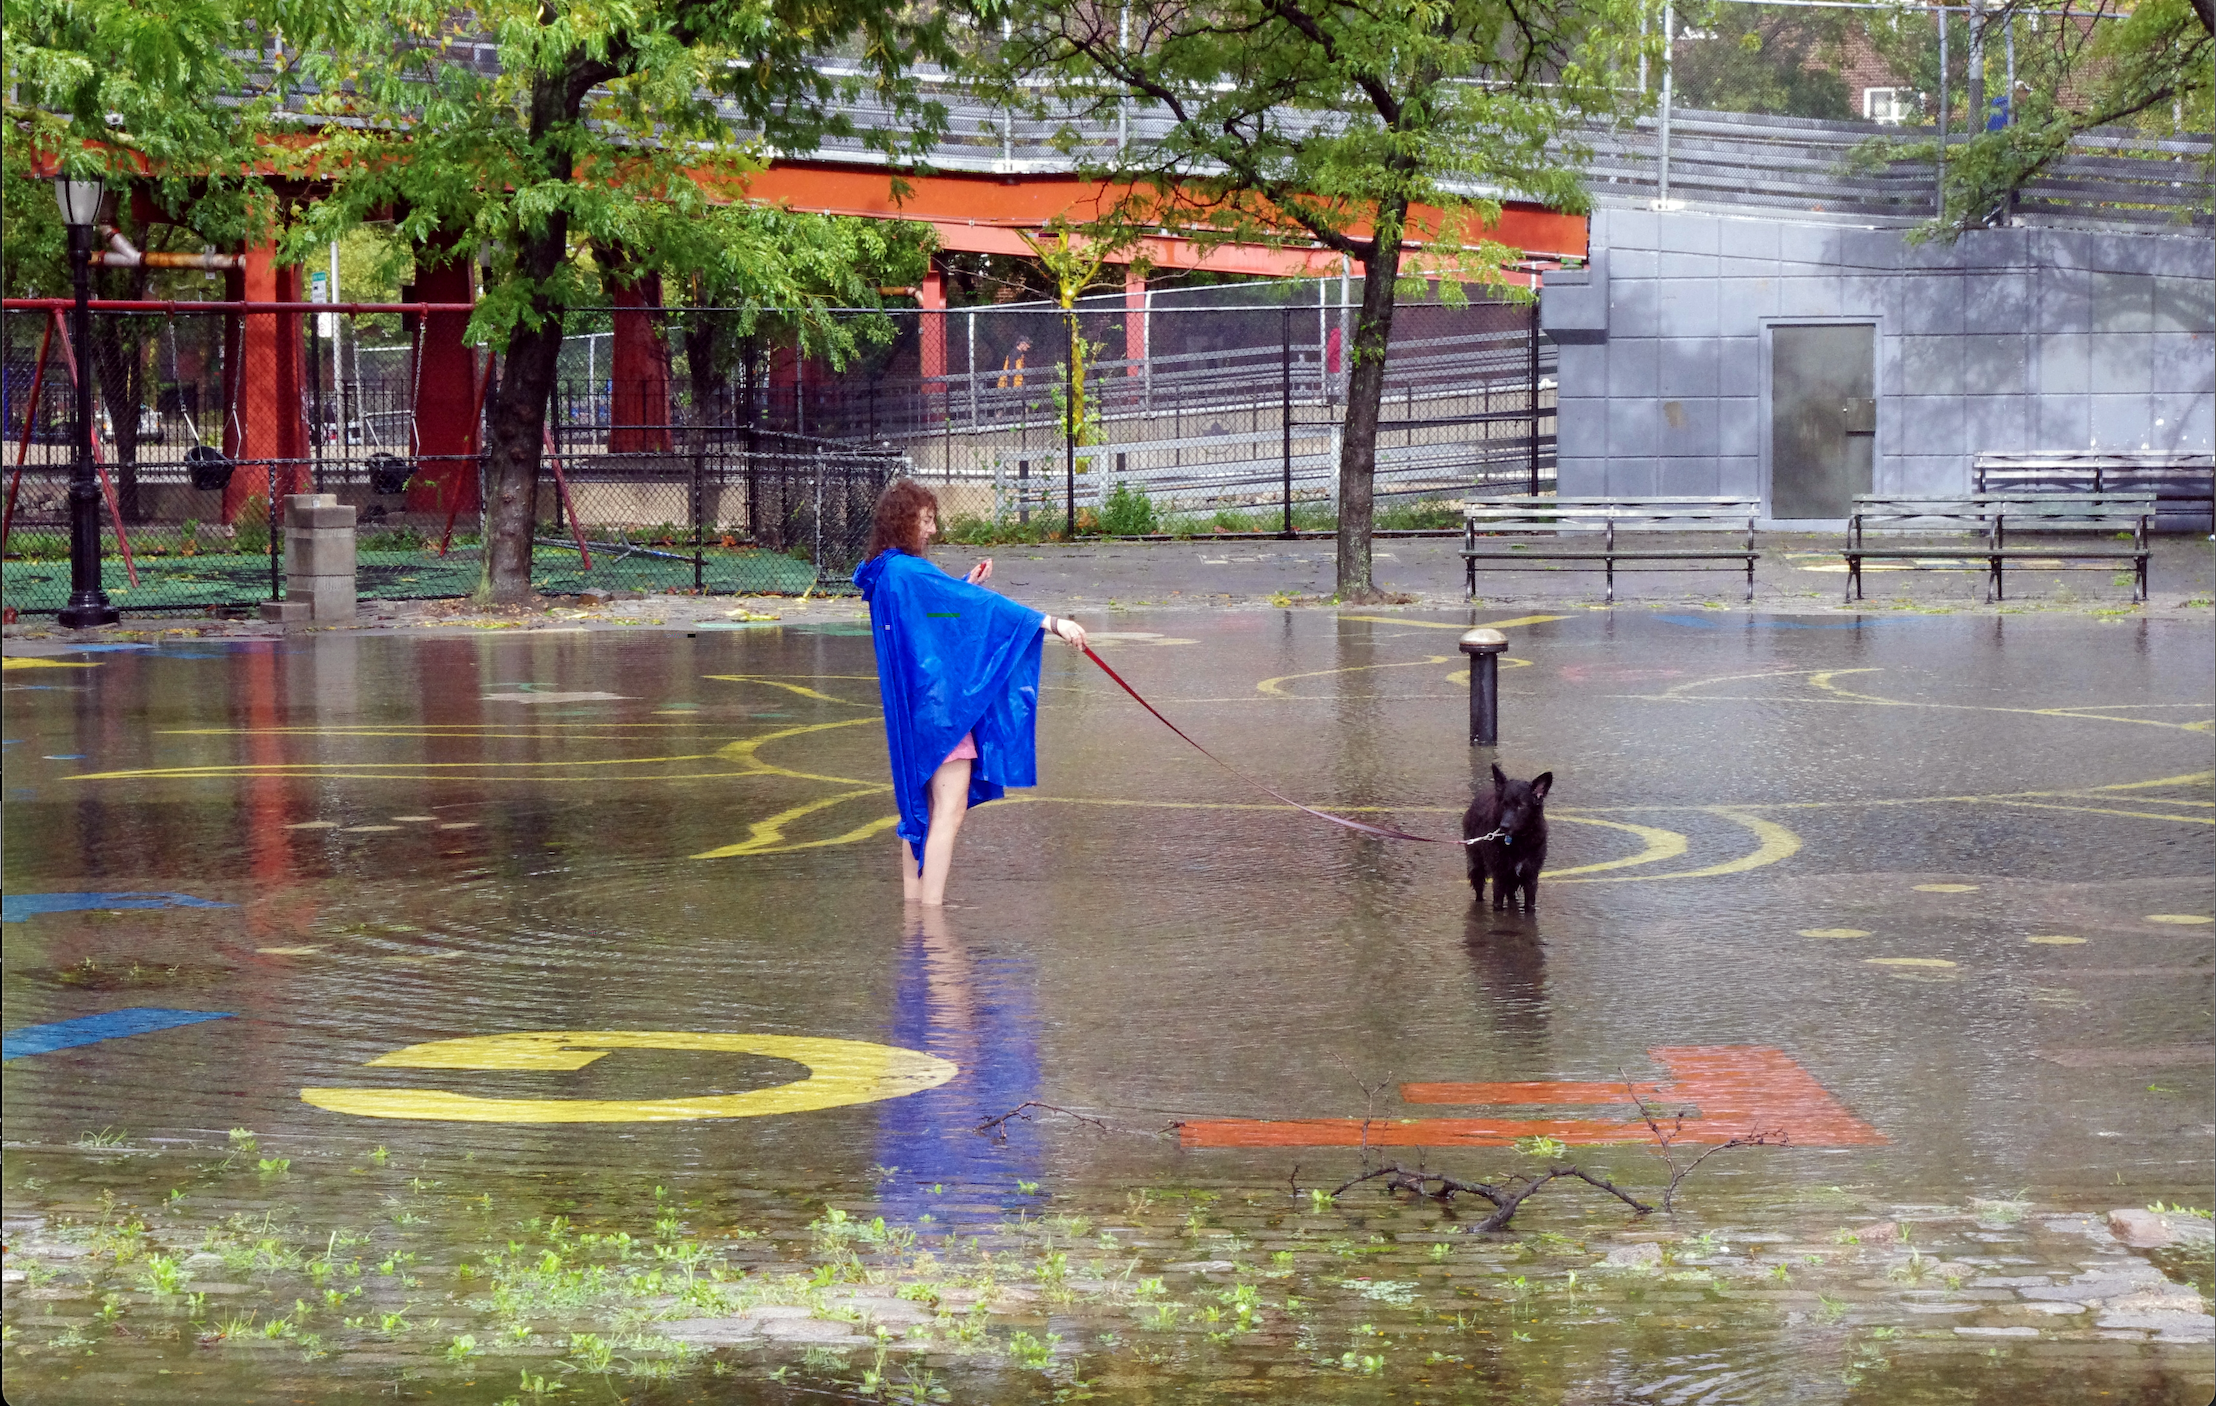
{"type": "Point", "coordinates": [388, 473]}
{"type": "Point", "coordinates": [208, 467]}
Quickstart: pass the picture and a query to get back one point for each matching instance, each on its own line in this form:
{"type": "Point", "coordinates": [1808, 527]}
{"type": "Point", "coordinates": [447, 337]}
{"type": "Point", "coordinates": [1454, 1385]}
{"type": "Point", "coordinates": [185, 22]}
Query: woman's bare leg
{"type": "Point", "coordinates": [911, 885]}
{"type": "Point", "coordinates": [949, 803]}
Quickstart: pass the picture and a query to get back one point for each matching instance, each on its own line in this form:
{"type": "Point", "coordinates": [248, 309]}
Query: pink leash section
{"type": "Point", "coordinates": [1381, 831]}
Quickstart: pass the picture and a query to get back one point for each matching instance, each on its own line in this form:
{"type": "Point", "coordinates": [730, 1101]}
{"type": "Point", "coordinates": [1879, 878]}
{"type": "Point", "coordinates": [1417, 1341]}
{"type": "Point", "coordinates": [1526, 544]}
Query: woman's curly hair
{"type": "Point", "coordinates": [897, 521]}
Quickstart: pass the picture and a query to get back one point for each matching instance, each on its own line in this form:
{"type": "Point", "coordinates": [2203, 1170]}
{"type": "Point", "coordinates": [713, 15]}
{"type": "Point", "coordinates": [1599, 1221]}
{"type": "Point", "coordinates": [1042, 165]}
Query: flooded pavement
{"type": "Point", "coordinates": [293, 927]}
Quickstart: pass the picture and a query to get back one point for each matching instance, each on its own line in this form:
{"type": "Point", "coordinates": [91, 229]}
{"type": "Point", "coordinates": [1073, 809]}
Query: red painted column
{"type": "Point", "coordinates": [931, 330]}
{"type": "Point", "coordinates": [446, 404]}
{"type": "Point", "coordinates": [638, 399]}
{"type": "Point", "coordinates": [268, 394]}
{"type": "Point", "coordinates": [1134, 319]}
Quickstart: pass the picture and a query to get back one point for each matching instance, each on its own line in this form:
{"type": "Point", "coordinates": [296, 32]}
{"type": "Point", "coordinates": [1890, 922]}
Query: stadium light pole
{"type": "Point", "coordinates": [88, 606]}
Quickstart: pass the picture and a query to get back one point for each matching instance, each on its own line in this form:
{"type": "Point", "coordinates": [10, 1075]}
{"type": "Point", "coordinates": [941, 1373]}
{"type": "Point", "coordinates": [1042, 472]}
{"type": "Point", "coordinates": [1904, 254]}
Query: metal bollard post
{"type": "Point", "coordinates": [1484, 647]}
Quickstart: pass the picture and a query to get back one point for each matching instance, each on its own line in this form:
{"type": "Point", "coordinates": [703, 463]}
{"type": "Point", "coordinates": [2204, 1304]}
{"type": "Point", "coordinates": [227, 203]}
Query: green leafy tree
{"type": "Point", "coordinates": [591, 113]}
{"type": "Point", "coordinates": [1754, 58]}
{"type": "Point", "coordinates": [1323, 123]}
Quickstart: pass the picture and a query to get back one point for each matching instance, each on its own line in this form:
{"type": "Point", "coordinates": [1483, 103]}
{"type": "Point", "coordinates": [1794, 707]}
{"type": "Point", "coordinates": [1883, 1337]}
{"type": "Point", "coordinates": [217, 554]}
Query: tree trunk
{"type": "Point", "coordinates": [1373, 330]}
{"type": "Point", "coordinates": [118, 360]}
{"type": "Point", "coordinates": [517, 408]}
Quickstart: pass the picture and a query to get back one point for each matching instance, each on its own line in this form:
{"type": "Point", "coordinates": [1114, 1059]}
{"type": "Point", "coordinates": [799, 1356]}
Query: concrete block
{"type": "Point", "coordinates": [2122, 302]}
{"type": "Point", "coordinates": [1931, 305]}
{"type": "Point", "coordinates": [1932, 475]}
{"type": "Point", "coordinates": [1632, 263]}
{"type": "Point", "coordinates": [1688, 476]}
{"type": "Point", "coordinates": [1581, 369]}
{"type": "Point", "coordinates": [1738, 426]}
{"type": "Point", "coordinates": [321, 517]}
{"type": "Point", "coordinates": [1632, 367]}
{"type": "Point", "coordinates": [2120, 422]}
{"type": "Point", "coordinates": [2182, 363]}
{"type": "Point", "coordinates": [1870, 249]}
{"type": "Point", "coordinates": [2121, 365]}
{"type": "Point", "coordinates": [1997, 423]}
{"type": "Point", "coordinates": [2061, 422]}
{"type": "Point", "coordinates": [1688, 427]}
{"type": "Point", "coordinates": [1686, 232]}
{"type": "Point", "coordinates": [1807, 293]}
{"type": "Point", "coordinates": [1995, 365]}
{"type": "Point", "coordinates": [2189, 422]}
{"type": "Point", "coordinates": [1582, 430]}
{"type": "Point", "coordinates": [1631, 306]}
{"type": "Point", "coordinates": [1809, 244]}
{"type": "Point", "coordinates": [329, 598]}
{"type": "Point", "coordinates": [1687, 366]}
{"type": "Point", "coordinates": [1742, 303]}
{"type": "Point", "coordinates": [1871, 296]}
{"type": "Point", "coordinates": [1997, 303]}
{"type": "Point", "coordinates": [287, 612]}
{"type": "Point", "coordinates": [2063, 364]}
{"type": "Point", "coordinates": [2187, 256]}
{"type": "Point", "coordinates": [2185, 305]}
{"type": "Point", "coordinates": [1669, 265]}
{"type": "Point", "coordinates": [1739, 363]}
{"type": "Point", "coordinates": [1632, 478]}
{"type": "Point", "coordinates": [1633, 427]}
{"type": "Point", "coordinates": [2129, 254]}
{"type": "Point", "coordinates": [1747, 239]}
{"type": "Point", "coordinates": [1573, 306]}
{"type": "Point", "coordinates": [1685, 307]}
{"type": "Point", "coordinates": [1930, 366]}
{"type": "Point", "coordinates": [1739, 477]}
{"type": "Point", "coordinates": [1930, 425]}
{"type": "Point", "coordinates": [1630, 229]}
{"type": "Point", "coordinates": [322, 552]}
{"type": "Point", "coordinates": [2062, 302]}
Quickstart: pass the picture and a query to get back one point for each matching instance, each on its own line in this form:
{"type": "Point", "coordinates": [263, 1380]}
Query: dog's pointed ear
{"type": "Point", "coordinates": [1500, 778]}
{"type": "Point", "coordinates": [1541, 784]}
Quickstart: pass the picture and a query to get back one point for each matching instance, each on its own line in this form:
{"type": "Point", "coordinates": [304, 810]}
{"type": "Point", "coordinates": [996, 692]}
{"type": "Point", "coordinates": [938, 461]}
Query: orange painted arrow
{"type": "Point", "coordinates": [1735, 1090]}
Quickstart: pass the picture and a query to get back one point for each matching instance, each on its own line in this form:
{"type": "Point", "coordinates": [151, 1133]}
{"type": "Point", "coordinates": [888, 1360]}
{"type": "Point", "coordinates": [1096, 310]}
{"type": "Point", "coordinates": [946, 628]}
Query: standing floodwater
{"type": "Point", "coordinates": [408, 1014]}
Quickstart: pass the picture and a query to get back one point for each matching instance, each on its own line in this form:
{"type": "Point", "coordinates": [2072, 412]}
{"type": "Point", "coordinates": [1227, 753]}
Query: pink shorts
{"type": "Point", "coordinates": [964, 750]}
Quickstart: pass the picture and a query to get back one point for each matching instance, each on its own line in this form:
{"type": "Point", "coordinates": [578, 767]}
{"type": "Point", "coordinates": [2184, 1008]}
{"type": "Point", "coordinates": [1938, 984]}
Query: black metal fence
{"type": "Point", "coordinates": [1216, 409]}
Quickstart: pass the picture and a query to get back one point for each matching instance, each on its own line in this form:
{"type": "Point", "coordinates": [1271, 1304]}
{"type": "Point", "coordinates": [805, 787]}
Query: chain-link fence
{"type": "Point", "coordinates": [684, 454]}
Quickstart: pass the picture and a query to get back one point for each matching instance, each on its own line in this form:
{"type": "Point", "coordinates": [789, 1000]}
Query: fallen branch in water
{"type": "Point", "coordinates": [998, 1127]}
{"type": "Point", "coordinates": [1506, 1200]}
{"type": "Point", "coordinates": [1663, 1140]}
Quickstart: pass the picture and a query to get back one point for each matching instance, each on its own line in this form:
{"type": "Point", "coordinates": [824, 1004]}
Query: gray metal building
{"type": "Point", "coordinates": [1800, 362]}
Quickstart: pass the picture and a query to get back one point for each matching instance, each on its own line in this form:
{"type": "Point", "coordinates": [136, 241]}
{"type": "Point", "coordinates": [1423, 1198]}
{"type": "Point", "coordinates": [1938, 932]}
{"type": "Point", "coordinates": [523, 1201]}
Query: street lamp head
{"type": "Point", "coordinates": [79, 198]}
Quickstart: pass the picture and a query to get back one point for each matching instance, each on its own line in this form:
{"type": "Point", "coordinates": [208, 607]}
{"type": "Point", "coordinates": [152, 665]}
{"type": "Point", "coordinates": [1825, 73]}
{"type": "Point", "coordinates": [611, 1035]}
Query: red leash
{"type": "Point", "coordinates": [1381, 831]}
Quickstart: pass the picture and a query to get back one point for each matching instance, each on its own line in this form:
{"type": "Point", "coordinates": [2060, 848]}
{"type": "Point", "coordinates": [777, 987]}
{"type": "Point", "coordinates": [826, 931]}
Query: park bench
{"type": "Point", "coordinates": [2184, 485]}
{"type": "Point", "coordinates": [1994, 516]}
{"type": "Point", "coordinates": [1570, 524]}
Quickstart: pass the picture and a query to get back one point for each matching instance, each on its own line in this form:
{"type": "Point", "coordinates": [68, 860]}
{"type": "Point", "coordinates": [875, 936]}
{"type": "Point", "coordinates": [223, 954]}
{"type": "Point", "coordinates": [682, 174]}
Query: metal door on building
{"type": "Point", "coordinates": [1823, 418]}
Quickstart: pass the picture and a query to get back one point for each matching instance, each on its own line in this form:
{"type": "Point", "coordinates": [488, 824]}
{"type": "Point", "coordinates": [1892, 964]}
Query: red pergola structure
{"type": "Point", "coordinates": [265, 376]}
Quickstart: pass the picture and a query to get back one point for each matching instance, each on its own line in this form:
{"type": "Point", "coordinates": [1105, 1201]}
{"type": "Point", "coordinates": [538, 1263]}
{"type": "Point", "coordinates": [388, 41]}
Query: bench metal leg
{"type": "Point", "coordinates": [1609, 565]}
{"type": "Point", "coordinates": [1750, 580]}
{"type": "Point", "coordinates": [1995, 588]}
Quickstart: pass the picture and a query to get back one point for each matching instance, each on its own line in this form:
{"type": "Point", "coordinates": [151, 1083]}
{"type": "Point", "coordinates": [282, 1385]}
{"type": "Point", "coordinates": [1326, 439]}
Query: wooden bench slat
{"type": "Point", "coordinates": [1553, 519]}
{"type": "Point", "coordinates": [1990, 516]}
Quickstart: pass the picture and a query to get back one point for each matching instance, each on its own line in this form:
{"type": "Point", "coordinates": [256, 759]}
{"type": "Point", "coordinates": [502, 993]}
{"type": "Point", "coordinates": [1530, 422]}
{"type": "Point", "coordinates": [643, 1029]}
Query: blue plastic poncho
{"type": "Point", "coordinates": [951, 658]}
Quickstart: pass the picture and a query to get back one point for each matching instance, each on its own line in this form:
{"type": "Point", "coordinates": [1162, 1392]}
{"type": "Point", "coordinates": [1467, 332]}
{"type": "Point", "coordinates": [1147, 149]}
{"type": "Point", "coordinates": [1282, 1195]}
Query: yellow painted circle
{"type": "Point", "coordinates": [840, 1072]}
{"type": "Point", "coordinates": [1833, 932]}
{"type": "Point", "coordinates": [2056, 939]}
{"type": "Point", "coordinates": [1908, 961]}
{"type": "Point", "coordinates": [2180, 919]}
{"type": "Point", "coordinates": [1946, 888]}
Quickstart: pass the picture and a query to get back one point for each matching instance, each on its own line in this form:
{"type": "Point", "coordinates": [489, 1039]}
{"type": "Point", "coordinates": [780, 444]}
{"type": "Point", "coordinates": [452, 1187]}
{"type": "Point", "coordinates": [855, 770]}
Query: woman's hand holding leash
{"type": "Point", "coordinates": [1068, 631]}
{"type": "Point", "coordinates": [980, 571]}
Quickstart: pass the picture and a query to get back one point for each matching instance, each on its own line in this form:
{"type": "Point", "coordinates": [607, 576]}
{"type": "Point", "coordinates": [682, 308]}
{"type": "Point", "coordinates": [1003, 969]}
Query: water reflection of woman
{"type": "Point", "coordinates": [958, 668]}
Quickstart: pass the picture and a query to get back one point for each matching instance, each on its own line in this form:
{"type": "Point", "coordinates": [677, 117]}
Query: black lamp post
{"type": "Point", "coordinates": [88, 604]}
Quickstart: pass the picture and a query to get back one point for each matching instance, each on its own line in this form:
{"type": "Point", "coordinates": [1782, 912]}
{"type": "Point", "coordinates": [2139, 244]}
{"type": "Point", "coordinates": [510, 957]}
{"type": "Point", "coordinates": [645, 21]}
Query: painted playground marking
{"type": "Point", "coordinates": [16, 907]}
{"type": "Point", "coordinates": [92, 1029]}
{"type": "Point", "coordinates": [1737, 1090]}
{"type": "Point", "coordinates": [840, 1072]}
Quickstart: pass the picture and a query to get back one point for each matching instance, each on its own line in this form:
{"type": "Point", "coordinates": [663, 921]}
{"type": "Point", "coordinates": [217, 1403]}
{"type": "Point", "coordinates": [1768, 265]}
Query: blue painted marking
{"type": "Point", "coordinates": [92, 1029]}
{"type": "Point", "coordinates": [101, 648]}
{"type": "Point", "coordinates": [1750, 622]}
{"type": "Point", "coordinates": [15, 907]}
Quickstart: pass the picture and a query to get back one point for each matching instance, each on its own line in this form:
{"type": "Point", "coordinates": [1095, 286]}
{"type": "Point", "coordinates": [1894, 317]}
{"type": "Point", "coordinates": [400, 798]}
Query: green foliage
{"type": "Point", "coordinates": [250, 536]}
{"type": "Point", "coordinates": [1752, 58]}
{"type": "Point", "coordinates": [1127, 512]}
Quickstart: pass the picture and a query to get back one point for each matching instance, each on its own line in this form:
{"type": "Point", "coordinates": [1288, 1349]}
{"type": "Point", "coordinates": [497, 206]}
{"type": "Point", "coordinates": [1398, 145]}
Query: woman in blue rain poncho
{"type": "Point", "coordinates": [958, 667]}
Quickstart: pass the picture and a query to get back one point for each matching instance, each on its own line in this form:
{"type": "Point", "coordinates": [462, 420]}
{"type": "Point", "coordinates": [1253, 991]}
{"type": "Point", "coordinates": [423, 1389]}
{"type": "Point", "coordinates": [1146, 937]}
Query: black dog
{"type": "Point", "coordinates": [1505, 835]}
